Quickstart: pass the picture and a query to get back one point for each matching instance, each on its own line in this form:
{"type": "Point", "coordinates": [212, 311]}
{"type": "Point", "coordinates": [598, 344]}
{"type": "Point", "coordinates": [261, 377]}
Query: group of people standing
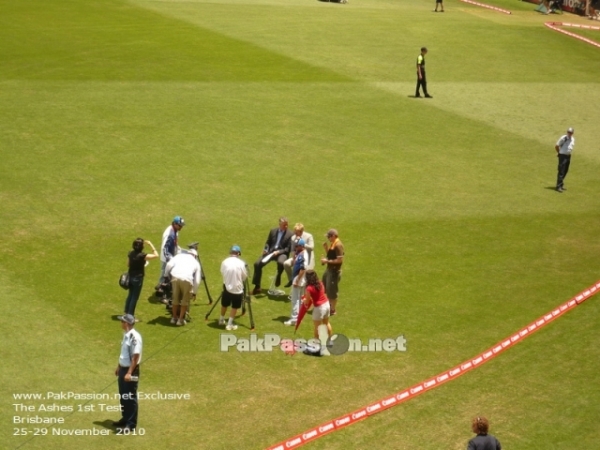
{"type": "Point", "coordinates": [294, 253]}
{"type": "Point", "coordinates": [292, 250]}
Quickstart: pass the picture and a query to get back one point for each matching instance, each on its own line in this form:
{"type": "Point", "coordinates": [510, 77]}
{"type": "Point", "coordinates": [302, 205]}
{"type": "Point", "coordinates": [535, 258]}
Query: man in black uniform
{"type": "Point", "coordinates": [421, 77]}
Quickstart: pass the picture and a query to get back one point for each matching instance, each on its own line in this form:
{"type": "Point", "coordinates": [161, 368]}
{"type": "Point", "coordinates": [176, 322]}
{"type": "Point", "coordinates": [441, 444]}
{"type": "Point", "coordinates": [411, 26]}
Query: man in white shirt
{"type": "Point", "coordinates": [128, 372]}
{"type": "Point", "coordinates": [309, 246]}
{"type": "Point", "coordinates": [184, 270]}
{"type": "Point", "coordinates": [564, 147]}
{"type": "Point", "coordinates": [234, 273]}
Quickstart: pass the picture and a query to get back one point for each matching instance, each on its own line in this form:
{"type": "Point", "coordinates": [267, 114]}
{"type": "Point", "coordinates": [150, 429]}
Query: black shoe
{"type": "Point", "coordinates": [256, 291]}
{"type": "Point", "coordinates": [428, 96]}
{"type": "Point", "coordinates": [417, 95]}
{"type": "Point", "coordinates": [288, 284]}
{"type": "Point", "coordinates": [278, 280]}
{"type": "Point", "coordinates": [119, 424]}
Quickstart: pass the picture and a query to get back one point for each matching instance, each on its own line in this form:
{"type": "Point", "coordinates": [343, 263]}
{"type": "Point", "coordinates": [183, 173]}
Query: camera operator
{"type": "Point", "coordinates": [185, 271]}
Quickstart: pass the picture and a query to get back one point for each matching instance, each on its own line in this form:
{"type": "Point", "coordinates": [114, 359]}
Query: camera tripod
{"type": "Point", "coordinates": [194, 246]}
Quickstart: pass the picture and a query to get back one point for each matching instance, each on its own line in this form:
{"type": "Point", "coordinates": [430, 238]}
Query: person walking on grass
{"type": "Point", "coordinates": [564, 148]}
{"type": "Point", "coordinates": [421, 75]}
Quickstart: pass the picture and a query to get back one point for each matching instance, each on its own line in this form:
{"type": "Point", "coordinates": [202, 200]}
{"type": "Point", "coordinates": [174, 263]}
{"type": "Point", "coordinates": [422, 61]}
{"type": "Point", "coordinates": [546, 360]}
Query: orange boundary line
{"type": "Point", "coordinates": [431, 383]}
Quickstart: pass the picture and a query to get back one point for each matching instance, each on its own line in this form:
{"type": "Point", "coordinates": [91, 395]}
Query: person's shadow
{"type": "Point", "coordinates": [105, 424]}
{"type": "Point", "coordinates": [160, 320]}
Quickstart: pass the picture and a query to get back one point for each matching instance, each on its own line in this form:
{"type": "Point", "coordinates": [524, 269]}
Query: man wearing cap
{"type": "Point", "coordinates": [309, 246]}
{"type": "Point", "coordinates": [564, 147]}
{"type": "Point", "coordinates": [235, 273]}
{"type": "Point", "coordinates": [277, 248]}
{"type": "Point", "coordinates": [128, 372]}
{"type": "Point", "coordinates": [334, 259]}
{"type": "Point", "coordinates": [184, 270]}
{"type": "Point", "coordinates": [170, 245]}
{"type": "Point", "coordinates": [298, 280]}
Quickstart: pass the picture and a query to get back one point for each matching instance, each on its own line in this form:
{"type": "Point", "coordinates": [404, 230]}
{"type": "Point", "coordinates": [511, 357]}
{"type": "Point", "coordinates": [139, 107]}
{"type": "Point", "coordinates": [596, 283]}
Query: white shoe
{"type": "Point", "coordinates": [221, 322]}
{"type": "Point", "coordinates": [231, 327]}
{"type": "Point", "coordinates": [173, 320]}
{"type": "Point", "coordinates": [290, 323]}
{"type": "Point", "coordinates": [181, 323]}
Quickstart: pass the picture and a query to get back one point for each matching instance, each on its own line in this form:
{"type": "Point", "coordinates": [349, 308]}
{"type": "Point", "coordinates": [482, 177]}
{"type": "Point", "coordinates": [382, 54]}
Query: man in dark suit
{"type": "Point", "coordinates": [277, 245]}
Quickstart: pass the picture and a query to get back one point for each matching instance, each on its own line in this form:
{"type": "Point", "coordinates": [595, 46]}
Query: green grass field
{"type": "Point", "coordinates": [117, 115]}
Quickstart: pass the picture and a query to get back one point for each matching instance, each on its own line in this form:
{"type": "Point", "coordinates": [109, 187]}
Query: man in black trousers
{"type": "Point", "coordinates": [128, 372]}
{"type": "Point", "coordinates": [421, 76]}
{"type": "Point", "coordinates": [277, 245]}
{"type": "Point", "coordinates": [564, 148]}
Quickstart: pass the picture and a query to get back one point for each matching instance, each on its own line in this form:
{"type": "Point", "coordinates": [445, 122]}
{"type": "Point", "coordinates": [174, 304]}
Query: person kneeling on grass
{"type": "Point", "coordinates": [315, 296]}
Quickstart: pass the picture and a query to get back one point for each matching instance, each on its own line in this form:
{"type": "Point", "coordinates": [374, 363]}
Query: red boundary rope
{"type": "Point", "coordinates": [554, 26]}
{"type": "Point", "coordinates": [483, 5]}
{"type": "Point", "coordinates": [431, 383]}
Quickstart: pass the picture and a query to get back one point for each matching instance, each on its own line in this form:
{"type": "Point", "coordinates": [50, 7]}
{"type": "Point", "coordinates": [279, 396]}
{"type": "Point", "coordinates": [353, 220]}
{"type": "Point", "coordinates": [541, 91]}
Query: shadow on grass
{"type": "Point", "coordinates": [106, 424]}
{"type": "Point", "coordinates": [161, 320]}
{"type": "Point", "coordinates": [155, 300]}
{"type": "Point", "coordinates": [279, 298]}
{"type": "Point", "coordinates": [281, 319]}
{"type": "Point", "coordinates": [214, 323]}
